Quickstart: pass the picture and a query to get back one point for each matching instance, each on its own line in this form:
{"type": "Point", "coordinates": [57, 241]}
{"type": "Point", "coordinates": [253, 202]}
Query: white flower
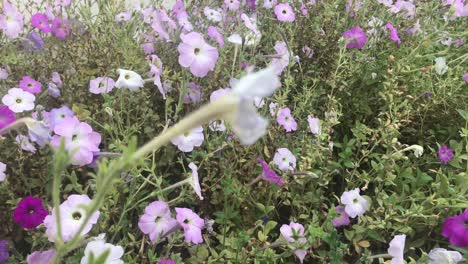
{"type": "Point", "coordinates": [355, 204]}
{"type": "Point", "coordinates": [314, 125]}
{"type": "Point", "coordinates": [194, 180]}
{"type": "Point", "coordinates": [18, 100]}
{"type": "Point", "coordinates": [443, 256]}
{"type": "Point", "coordinates": [99, 247]}
{"type": "Point", "coordinates": [284, 159]}
{"type": "Point", "coordinates": [235, 38]}
{"type": "Point", "coordinates": [130, 80]}
{"type": "Point", "coordinates": [186, 142]}
{"type": "Point", "coordinates": [396, 248]}
{"type": "Point", "coordinates": [418, 150]}
{"type": "Point", "coordinates": [213, 14]}
{"type": "Point", "coordinates": [2, 171]}
{"type": "Point", "coordinates": [441, 66]}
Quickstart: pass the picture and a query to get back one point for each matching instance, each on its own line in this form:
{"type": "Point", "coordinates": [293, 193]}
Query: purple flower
{"type": "Point", "coordinates": [6, 116]}
{"type": "Point", "coordinates": [186, 142]}
{"type": "Point", "coordinates": [455, 229]}
{"type": "Point", "coordinates": [101, 85]}
{"type": "Point", "coordinates": [11, 21]}
{"type": "Point", "coordinates": [55, 78]}
{"type": "Point", "coordinates": [41, 22]}
{"type": "Point", "coordinates": [281, 58]}
{"type": "Point", "coordinates": [465, 77]}
{"type": "Point", "coordinates": [33, 42]}
{"type": "Point", "coordinates": [3, 74]}
{"type": "Point", "coordinates": [192, 225]}
{"type": "Point", "coordinates": [269, 3]}
{"type": "Point", "coordinates": [213, 32]}
{"type": "Point", "coordinates": [165, 261]}
{"type": "Point", "coordinates": [269, 174]}
{"type": "Point", "coordinates": [194, 181]}
{"type": "Point", "coordinates": [284, 159]}
{"type": "Point", "coordinates": [445, 154]}
{"type": "Point", "coordinates": [251, 4]}
{"type": "Point", "coordinates": [294, 233]}
{"type": "Point", "coordinates": [285, 119]}
{"type": "Point", "coordinates": [355, 204]}
{"type": "Point", "coordinates": [341, 220]}
{"type": "Point", "coordinates": [357, 38]}
{"type": "Point", "coordinates": [29, 213]}
{"type": "Point", "coordinates": [194, 94]}
{"type": "Point", "coordinates": [60, 28]}
{"type": "Point", "coordinates": [393, 33]}
{"type": "Point", "coordinates": [57, 115]}
{"type": "Point", "coordinates": [79, 138]}
{"type": "Point", "coordinates": [314, 125]}
{"type": "Point", "coordinates": [284, 12]}
{"type": "Point", "coordinates": [41, 257]}
{"type": "Point", "coordinates": [196, 54]}
{"type": "Point", "coordinates": [123, 17]}
{"type": "Point", "coordinates": [4, 252]}
{"type": "Point", "coordinates": [30, 85]}
{"type": "Point", "coordinates": [156, 221]}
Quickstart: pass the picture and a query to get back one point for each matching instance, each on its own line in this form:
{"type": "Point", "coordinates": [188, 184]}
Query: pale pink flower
{"type": "Point", "coordinates": [101, 85]}
{"type": "Point", "coordinates": [186, 142]}
{"type": "Point", "coordinates": [284, 159]}
{"type": "Point", "coordinates": [281, 58]}
{"type": "Point", "coordinates": [196, 54]}
{"type": "Point", "coordinates": [396, 249]}
{"type": "Point", "coordinates": [11, 21]}
{"type": "Point", "coordinates": [192, 225]}
{"type": "Point", "coordinates": [286, 120]}
{"type": "Point", "coordinates": [156, 221]}
{"type": "Point", "coordinates": [355, 204]}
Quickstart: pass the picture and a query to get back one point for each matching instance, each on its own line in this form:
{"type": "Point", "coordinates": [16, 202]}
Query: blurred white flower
{"type": "Point", "coordinates": [443, 256]}
{"type": "Point", "coordinates": [440, 65]}
{"type": "Point", "coordinates": [396, 249]}
{"type": "Point", "coordinates": [97, 248]}
{"type": "Point", "coordinates": [194, 182]}
{"type": "Point", "coordinates": [130, 80]}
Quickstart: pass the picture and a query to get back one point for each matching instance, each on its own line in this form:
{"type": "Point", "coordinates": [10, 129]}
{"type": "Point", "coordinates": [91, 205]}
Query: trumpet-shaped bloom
{"type": "Point", "coordinates": [443, 256]}
{"type": "Point", "coordinates": [284, 159]}
{"type": "Point", "coordinates": [294, 233]}
{"type": "Point", "coordinates": [396, 249]}
{"type": "Point", "coordinates": [123, 17]}
{"type": "Point", "coordinates": [101, 85]}
{"type": "Point", "coordinates": [393, 33]}
{"type": "Point", "coordinates": [6, 116]}
{"type": "Point", "coordinates": [11, 21]}
{"type": "Point", "coordinates": [282, 56]}
{"type": "Point", "coordinates": [98, 247]}
{"type": "Point", "coordinates": [157, 220]}
{"type": "Point", "coordinates": [57, 115]}
{"type": "Point", "coordinates": [41, 257]}
{"type": "Point", "coordinates": [232, 4]}
{"type": "Point", "coordinates": [129, 80]}
{"type": "Point", "coordinates": [286, 120]}
{"type": "Point", "coordinates": [357, 38]}
{"type": "Point", "coordinates": [2, 171]}
{"type": "Point", "coordinates": [79, 138]}
{"type": "Point", "coordinates": [314, 125]}
{"type": "Point", "coordinates": [41, 22]}
{"type": "Point", "coordinates": [192, 225]}
{"type": "Point", "coordinates": [30, 85]}
{"type": "Point", "coordinates": [186, 142]}
{"type": "Point", "coordinates": [268, 4]}
{"type": "Point", "coordinates": [196, 54]}
{"type": "Point", "coordinates": [72, 215]}
{"type": "Point", "coordinates": [194, 182]}
{"type": "Point", "coordinates": [29, 213]}
{"type": "Point", "coordinates": [284, 12]}
{"type": "Point", "coordinates": [355, 204]}
{"type": "Point", "coordinates": [156, 70]}
{"type": "Point", "coordinates": [270, 175]}
{"type": "Point", "coordinates": [213, 14]}
{"type": "Point", "coordinates": [18, 100]}
{"type": "Point", "coordinates": [445, 154]}
{"type": "Point", "coordinates": [455, 229]}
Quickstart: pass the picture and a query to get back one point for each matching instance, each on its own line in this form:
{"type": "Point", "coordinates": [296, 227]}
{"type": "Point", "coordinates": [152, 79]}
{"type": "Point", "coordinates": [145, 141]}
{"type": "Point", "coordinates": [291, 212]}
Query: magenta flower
{"type": "Point", "coordinates": [30, 85]}
{"type": "Point", "coordinates": [41, 22]}
{"type": "Point", "coordinates": [455, 229]}
{"type": "Point", "coordinates": [191, 223]}
{"type": "Point", "coordinates": [284, 12]}
{"type": "Point", "coordinates": [357, 38]}
{"type": "Point", "coordinates": [156, 221]}
{"type": "Point", "coordinates": [194, 94]}
{"type": "Point", "coordinates": [285, 119]}
{"type": "Point", "coordinates": [284, 159]}
{"type": "Point", "coordinates": [101, 85]}
{"type": "Point", "coordinates": [6, 116]}
{"type": "Point", "coordinates": [165, 261]}
{"type": "Point", "coordinates": [213, 32]}
{"type": "Point", "coordinates": [29, 213]}
{"type": "Point", "coordinates": [342, 219]}
{"type": "Point", "coordinates": [11, 21]}
{"type": "Point", "coordinates": [79, 138]}
{"type": "Point", "coordinates": [445, 154]}
{"type": "Point", "coordinates": [41, 257]}
{"type": "Point", "coordinates": [393, 33]}
{"type": "Point", "coordinates": [60, 28]}
{"type": "Point", "coordinates": [4, 251]}
{"type": "Point", "coordinates": [270, 175]}
{"type": "Point", "coordinates": [186, 142]}
{"type": "Point", "coordinates": [196, 54]}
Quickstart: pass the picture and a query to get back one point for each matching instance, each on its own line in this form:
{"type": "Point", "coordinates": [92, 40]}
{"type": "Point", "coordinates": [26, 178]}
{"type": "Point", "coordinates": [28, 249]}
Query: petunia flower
{"type": "Point", "coordinates": [213, 32]}
{"type": "Point", "coordinates": [25, 144]}
{"type": "Point", "coordinates": [284, 12]}
{"type": "Point", "coordinates": [357, 38]}
{"type": "Point", "coordinates": [294, 233]}
{"type": "Point", "coordinates": [41, 22]}
{"type": "Point", "coordinates": [123, 17]}
{"type": "Point", "coordinates": [60, 28]}
{"type": "Point", "coordinates": [342, 219]}
{"type": "Point", "coordinates": [396, 249]}
{"type": "Point", "coordinates": [213, 14]}
{"type": "Point", "coordinates": [440, 66]}
{"type": "Point", "coordinates": [98, 248]}
{"type": "Point", "coordinates": [41, 257]}
{"type": "Point", "coordinates": [268, 4]}
{"type": "Point", "coordinates": [281, 58]}
{"type": "Point", "coordinates": [194, 93]}
{"type": "Point", "coordinates": [465, 77]}
{"type": "Point", "coordinates": [29, 213]}
{"type": "Point", "coordinates": [194, 182]}
{"type": "Point", "coordinates": [355, 204]}
{"type": "Point", "coordinates": [11, 21]}
{"type": "Point", "coordinates": [72, 215]}
{"type": "Point", "coordinates": [196, 54]}
{"type": "Point", "coordinates": [129, 80]}
{"type": "Point", "coordinates": [18, 100]}
{"type": "Point", "coordinates": [455, 229]}
{"type": "Point", "coordinates": [101, 85]}
{"type": "Point", "coordinates": [4, 251]}
{"type": "Point", "coordinates": [3, 73]}
{"type": "Point", "coordinates": [156, 70]}
{"type": "Point", "coordinates": [2, 171]}
{"type": "Point", "coordinates": [157, 220]}
{"type": "Point", "coordinates": [393, 33]}
{"type": "Point", "coordinates": [6, 116]}
{"type": "Point", "coordinates": [30, 85]}
{"type": "Point", "coordinates": [445, 154]}
{"type": "Point", "coordinates": [286, 120]}
{"type": "Point", "coordinates": [235, 39]}
{"type": "Point", "coordinates": [443, 256]}
{"type": "Point", "coordinates": [188, 141]}
{"type": "Point", "coordinates": [232, 4]}
{"type": "Point", "coordinates": [270, 175]}
{"type": "Point", "coordinates": [272, 108]}
{"type": "Point", "coordinates": [57, 115]}
{"type": "Point", "coordinates": [191, 223]}
{"type": "Point", "coordinates": [284, 159]}
{"type": "Point", "coordinates": [314, 125]}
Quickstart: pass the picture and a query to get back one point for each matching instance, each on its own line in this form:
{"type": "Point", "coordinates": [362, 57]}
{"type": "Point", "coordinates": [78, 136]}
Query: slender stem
{"type": "Point", "coordinates": [254, 181]}
{"type": "Point", "coordinates": [379, 256]}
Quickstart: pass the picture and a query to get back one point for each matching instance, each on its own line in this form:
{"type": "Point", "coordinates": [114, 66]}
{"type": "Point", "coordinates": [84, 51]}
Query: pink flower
{"type": "Point", "coordinates": [314, 125]}
{"type": "Point", "coordinates": [396, 249]}
{"type": "Point", "coordinates": [269, 3]}
{"type": "Point", "coordinates": [270, 175]}
{"type": "Point", "coordinates": [294, 233]}
{"type": "Point", "coordinates": [355, 204]}
{"type": "Point", "coordinates": [123, 17]}
{"type": "Point", "coordinates": [3, 74]}
{"type": "Point", "coordinates": [192, 225]}
{"type": "Point", "coordinates": [6, 116]}
{"type": "Point", "coordinates": [232, 4]}
{"type": "Point", "coordinates": [357, 38]}
{"type": "Point", "coordinates": [196, 54]}
{"type": "Point", "coordinates": [156, 221]}
{"type": "Point", "coordinates": [188, 141]}
{"type": "Point", "coordinates": [465, 77]}
{"type": "Point", "coordinates": [194, 93]}
{"type": "Point", "coordinates": [342, 219]}
{"type": "Point", "coordinates": [284, 159]}
{"type": "Point", "coordinates": [213, 32]}
{"type": "Point", "coordinates": [57, 115]}
{"type": "Point", "coordinates": [286, 120]}
{"type": "Point", "coordinates": [60, 28]}
{"type": "Point", "coordinates": [445, 154]}
{"type": "Point", "coordinates": [101, 85]}
{"type": "Point", "coordinates": [41, 257]}
{"type": "Point", "coordinates": [213, 14]}
{"type": "Point", "coordinates": [30, 85]}
{"type": "Point", "coordinates": [156, 70]}
{"type": "Point", "coordinates": [41, 22]}
{"type": "Point", "coordinates": [11, 21]}
{"type": "Point", "coordinates": [281, 58]}
{"type": "Point", "coordinates": [284, 12]}
{"type": "Point", "coordinates": [393, 33]}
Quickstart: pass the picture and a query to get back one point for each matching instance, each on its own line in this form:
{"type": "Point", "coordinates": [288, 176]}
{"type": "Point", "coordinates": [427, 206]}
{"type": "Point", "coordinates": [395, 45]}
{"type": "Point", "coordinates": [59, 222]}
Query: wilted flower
{"type": "Point", "coordinates": [455, 229]}
{"type": "Point", "coordinates": [101, 85]}
{"type": "Point", "coordinates": [30, 85]}
{"type": "Point", "coordinates": [72, 215]}
{"type": "Point", "coordinates": [393, 33]}
{"type": "Point", "coordinates": [294, 233]}
{"type": "Point", "coordinates": [194, 182]}
{"type": "Point", "coordinates": [284, 12]}
{"type": "Point", "coordinates": [314, 125]}
{"type": "Point", "coordinates": [25, 144]}
{"type": "Point", "coordinates": [357, 38]}
{"type": "Point", "coordinates": [2, 171]}
{"type": "Point", "coordinates": [97, 248]}
{"type": "Point", "coordinates": [342, 219]}
{"type": "Point", "coordinates": [286, 120]}
{"type": "Point", "coordinates": [29, 213]}
{"type": "Point", "coordinates": [284, 159]}
{"type": "Point", "coordinates": [3, 74]}
{"type": "Point", "coordinates": [4, 251]}
{"type": "Point", "coordinates": [443, 256]}
{"type": "Point", "coordinates": [11, 21]}
{"type": "Point", "coordinates": [6, 116]}
{"type": "Point", "coordinates": [191, 223]}
{"type": "Point", "coordinates": [196, 54]}
{"type": "Point", "coordinates": [396, 249]}
{"type": "Point", "coordinates": [355, 204]}
{"type": "Point", "coordinates": [130, 80]}
{"type": "Point", "coordinates": [270, 175]}
{"type": "Point", "coordinates": [18, 100]}
{"type": "Point", "coordinates": [157, 220]}
{"type": "Point", "coordinates": [445, 154]}
{"type": "Point", "coordinates": [186, 142]}
{"type": "Point", "coordinates": [441, 66]}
